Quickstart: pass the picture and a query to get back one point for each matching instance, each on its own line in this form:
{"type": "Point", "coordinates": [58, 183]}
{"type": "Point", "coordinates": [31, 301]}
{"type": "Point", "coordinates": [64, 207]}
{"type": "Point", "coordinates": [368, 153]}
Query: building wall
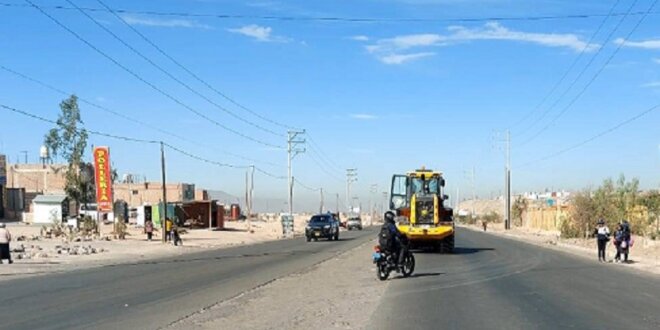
{"type": "Point", "coordinates": [136, 194]}
{"type": "Point", "coordinates": [37, 178]}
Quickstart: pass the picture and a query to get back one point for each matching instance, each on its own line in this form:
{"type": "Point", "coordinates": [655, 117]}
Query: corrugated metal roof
{"type": "Point", "coordinates": [49, 199]}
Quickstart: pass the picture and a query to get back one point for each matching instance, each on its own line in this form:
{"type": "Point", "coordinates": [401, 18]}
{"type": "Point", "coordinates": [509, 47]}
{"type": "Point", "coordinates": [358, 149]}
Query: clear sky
{"type": "Point", "coordinates": [383, 96]}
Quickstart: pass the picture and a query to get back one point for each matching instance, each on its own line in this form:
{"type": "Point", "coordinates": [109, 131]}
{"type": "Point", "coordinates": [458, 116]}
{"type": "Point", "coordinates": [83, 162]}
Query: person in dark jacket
{"type": "Point", "coordinates": [149, 229]}
{"type": "Point", "coordinates": [618, 239]}
{"type": "Point", "coordinates": [627, 236]}
{"type": "Point", "coordinates": [400, 247]}
{"type": "Point", "coordinates": [602, 234]}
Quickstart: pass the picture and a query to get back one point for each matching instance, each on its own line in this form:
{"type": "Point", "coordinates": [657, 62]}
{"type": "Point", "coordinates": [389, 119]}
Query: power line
{"type": "Point", "coordinates": [602, 133]}
{"type": "Point", "coordinates": [306, 186]}
{"type": "Point", "coordinates": [132, 139]}
{"type": "Point", "coordinates": [595, 76]}
{"type": "Point", "coordinates": [322, 155]}
{"type": "Point", "coordinates": [170, 75]}
{"type": "Point", "coordinates": [570, 68]}
{"type": "Point", "coordinates": [131, 119]}
{"type": "Point", "coordinates": [154, 87]}
{"type": "Point", "coordinates": [177, 63]}
{"type": "Point", "coordinates": [334, 18]}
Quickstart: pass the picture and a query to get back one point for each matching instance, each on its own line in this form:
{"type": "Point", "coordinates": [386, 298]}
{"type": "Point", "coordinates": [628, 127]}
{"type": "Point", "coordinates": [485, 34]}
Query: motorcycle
{"type": "Point", "coordinates": [386, 262]}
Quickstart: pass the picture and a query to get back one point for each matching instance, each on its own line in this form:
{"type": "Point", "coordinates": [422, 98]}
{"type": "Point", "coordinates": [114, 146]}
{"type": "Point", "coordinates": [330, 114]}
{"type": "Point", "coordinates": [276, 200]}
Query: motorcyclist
{"type": "Point", "coordinates": [399, 244]}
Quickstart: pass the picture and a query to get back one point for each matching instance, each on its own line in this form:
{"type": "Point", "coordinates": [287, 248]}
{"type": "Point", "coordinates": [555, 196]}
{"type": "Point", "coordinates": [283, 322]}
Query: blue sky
{"type": "Point", "coordinates": [384, 97]}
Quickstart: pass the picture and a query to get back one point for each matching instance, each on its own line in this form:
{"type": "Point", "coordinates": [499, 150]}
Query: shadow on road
{"type": "Point", "coordinates": [416, 275]}
{"type": "Point", "coordinates": [467, 250]}
{"type": "Point", "coordinates": [341, 239]}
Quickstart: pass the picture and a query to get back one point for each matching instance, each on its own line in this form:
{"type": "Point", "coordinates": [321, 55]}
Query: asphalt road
{"type": "Point", "coordinates": [149, 295]}
{"type": "Point", "coordinates": [497, 283]}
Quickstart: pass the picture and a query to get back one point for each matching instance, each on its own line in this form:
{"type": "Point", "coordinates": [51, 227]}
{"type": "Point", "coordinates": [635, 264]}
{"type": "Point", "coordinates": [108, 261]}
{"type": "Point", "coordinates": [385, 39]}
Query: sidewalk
{"type": "Point", "coordinates": [644, 255]}
{"type": "Point", "coordinates": [43, 255]}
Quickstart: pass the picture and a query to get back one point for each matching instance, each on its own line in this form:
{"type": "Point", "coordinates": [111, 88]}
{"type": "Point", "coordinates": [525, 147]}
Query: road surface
{"type": "Point", "coordinates": [496, 283]}
{"type": "Point", "coordinates": [489, 283]}
{"type": "Point", "coordinates": [150, 295]}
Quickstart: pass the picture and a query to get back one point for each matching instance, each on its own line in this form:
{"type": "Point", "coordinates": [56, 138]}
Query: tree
{"type": "Point", "coordinates": [69, 140]}
{"type": "Point", "coordinates": [518, 208]}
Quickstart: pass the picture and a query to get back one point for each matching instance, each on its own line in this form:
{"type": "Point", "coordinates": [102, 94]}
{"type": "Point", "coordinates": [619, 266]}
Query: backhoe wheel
{"type": "Point", "coordinates": [447, 245]}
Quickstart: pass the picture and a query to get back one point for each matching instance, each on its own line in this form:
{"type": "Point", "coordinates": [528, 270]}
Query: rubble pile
{"type": "Point", "coordinates": [35, 251]}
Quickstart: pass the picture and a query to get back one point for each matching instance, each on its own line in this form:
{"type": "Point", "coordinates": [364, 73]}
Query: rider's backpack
{"type": "Point", "coordinates": [385, 238]}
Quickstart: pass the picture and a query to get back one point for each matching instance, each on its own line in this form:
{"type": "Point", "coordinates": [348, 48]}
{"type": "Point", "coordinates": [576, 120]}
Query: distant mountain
{"type": "Point", "coordinates": [266, 204]}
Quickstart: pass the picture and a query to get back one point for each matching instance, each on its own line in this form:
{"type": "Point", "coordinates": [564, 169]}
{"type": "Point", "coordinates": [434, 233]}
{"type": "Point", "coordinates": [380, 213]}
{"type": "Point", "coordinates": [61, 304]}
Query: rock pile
{"type": "Point", "coordinates": [35, 251]}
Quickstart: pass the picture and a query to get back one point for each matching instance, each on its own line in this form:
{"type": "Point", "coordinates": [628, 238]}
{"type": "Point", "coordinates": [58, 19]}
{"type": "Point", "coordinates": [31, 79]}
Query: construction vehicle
{"type": "Point", "coordinates": [417, 198]}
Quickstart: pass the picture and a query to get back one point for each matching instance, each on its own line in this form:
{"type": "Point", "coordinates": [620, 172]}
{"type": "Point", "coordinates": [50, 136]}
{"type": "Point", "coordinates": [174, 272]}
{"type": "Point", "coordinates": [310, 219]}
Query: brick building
{"type": "Point", "coordinates": [136, 194]}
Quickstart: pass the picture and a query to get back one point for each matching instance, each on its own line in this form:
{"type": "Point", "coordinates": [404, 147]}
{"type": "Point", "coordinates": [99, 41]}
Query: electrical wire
{"type": "Point", "coordinates": [192, 74]}
{"type": "Point", "coordinates": [594, 77]}
{"type": "Point", "coordinates": [334, 18]}
{"type": "Point", "coordinates": [592, 138]}
{"type": "Point", "coordinates": [306, 186]}
{"type": "Point", "coordinates": [154, 87]}
{"type": "Point", "coordinates": [570, 68]}
{"type": "Point", "coordinates": [133, 120]}
{"type": "Point", "coordinates": [170, 75]}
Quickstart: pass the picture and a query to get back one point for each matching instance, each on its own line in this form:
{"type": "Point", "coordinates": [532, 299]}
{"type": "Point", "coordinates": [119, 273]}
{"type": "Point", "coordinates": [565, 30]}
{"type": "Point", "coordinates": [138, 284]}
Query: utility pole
{"type": "Point", "coordinates": [471, 175]}
{"type": "Point", "coordinates": [292, 151]}
{"type": "Point", "coordinates": [321, 206]}
{"type": "Point", "coordinates": [337, 204]}
{"type": "Point", "coordinates": [373, 190]}
{"type": "Point", "coordinates": [351, 176]}
{"type": "Point", "coordinates": [249, 188]}
{"type": "Point", "coordinates": [162, 169]}
{"type": "Point", "coordinates": [506, 141]}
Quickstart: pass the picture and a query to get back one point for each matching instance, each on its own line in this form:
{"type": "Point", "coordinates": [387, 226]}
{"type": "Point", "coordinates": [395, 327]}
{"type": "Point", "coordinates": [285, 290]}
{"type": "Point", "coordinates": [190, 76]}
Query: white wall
{"type": "Point", "coordinates": [44, 213]}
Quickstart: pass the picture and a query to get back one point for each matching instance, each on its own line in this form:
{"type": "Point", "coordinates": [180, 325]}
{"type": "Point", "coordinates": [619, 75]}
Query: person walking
{"type": "Point", "coordinates": [618, 240]}
{"type": "Point", "coordinates": [176, 237]}
{"type": "Point", "coordinates": [5, 238]}
{"type": "Point", "coordinates": [168, 229]}
{"type": "Point", "coordinates": [627, 239]}
{"type": "Point", "coordinates": [149, 229]}
{"type": "Point", "coordinates": [602, 236]}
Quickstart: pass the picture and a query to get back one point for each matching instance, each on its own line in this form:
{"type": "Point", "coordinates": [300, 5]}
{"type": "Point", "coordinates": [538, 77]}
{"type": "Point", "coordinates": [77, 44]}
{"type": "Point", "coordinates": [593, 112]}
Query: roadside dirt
{"type": "Point", "coordinates": [644, 255]}
{"type": "Point", "coordinates": [340, 293]}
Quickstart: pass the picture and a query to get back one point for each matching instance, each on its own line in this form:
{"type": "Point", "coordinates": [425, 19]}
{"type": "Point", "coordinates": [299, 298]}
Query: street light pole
{"type": "Point", "coordinates": [162, 169]}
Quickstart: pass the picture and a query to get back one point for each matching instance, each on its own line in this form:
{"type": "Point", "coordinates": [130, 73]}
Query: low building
{"type": "Point", "coordinates": [37, 178]}
{"type": "Point", "coordinates": [147, 193]}
{"type": "Point", "coordinates": [47, 208]}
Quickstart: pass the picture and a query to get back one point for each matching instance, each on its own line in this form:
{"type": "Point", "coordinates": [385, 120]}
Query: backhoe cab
{"type": "Point", "coordinates": [418, 200]}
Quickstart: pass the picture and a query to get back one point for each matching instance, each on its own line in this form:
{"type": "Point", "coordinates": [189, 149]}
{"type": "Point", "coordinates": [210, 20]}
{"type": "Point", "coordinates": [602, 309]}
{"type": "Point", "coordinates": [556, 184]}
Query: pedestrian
{"type": "Point", "coordinates": [602, 234]}
{"type": "Point", "coordinates": [168, 229]}
{"type": "Point", "coordinates": [627, 239]}
{"type": "Point", "coordinates": [176, 237]}
{"type": "Point", "coordinates": [149, 229]}
{"type": "Point", "coordinates": [484, 224]}
{"type": "Point", "coordinates": [618, 240]}
{"type": "Point", "coordinates": [5, 238]}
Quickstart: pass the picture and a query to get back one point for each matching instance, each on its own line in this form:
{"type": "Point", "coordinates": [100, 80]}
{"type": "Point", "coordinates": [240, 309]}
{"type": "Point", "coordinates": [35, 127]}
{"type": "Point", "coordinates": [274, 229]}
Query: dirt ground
{"type": "Point", "coordinates": [644, 255]}
{"type": "Point", "coordinates": [43, 255]}
{"type": "Point", "coordinates": [345, 295]}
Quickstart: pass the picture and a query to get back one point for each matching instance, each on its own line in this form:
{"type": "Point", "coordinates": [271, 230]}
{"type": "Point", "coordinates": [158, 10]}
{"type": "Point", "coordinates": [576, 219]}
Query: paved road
{"type": "Point", "coordinates": [496, 283]}
{"type": "Point", "coordinates": [155, 294]}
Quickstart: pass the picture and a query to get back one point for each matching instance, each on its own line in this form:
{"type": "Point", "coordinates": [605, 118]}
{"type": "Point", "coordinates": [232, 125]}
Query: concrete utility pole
{"type": "Point", "coordinates": [162, 169]}
{"type": "Point", "coordinates": [321, 206]}
{"type": "Point", "coordinates": [249, 189]}
{"type": "Point", "coordinates": [372, 201]}
{"type": "Point", "coordinates": [351, 176]}
{"type": "Point", "coordinates": [506, 140]}
{"type": "Point", "coordinates": [471, 175]}
{"type": "Point", "coordinates": [292, 151]}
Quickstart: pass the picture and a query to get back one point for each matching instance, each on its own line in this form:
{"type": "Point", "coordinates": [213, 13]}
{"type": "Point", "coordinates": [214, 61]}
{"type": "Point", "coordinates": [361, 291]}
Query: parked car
{"type": "Point", "coordinates": [322, 226]}
{"type": "Point", "coordinates": [354, 223]}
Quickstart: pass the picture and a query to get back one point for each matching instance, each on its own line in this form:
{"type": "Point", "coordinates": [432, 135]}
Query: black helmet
{"type": "Point", "coordinates": [389, 216]}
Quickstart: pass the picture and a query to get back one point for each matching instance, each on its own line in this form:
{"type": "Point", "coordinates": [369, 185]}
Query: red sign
{"type": "Point", "coordinates": [103, 179]}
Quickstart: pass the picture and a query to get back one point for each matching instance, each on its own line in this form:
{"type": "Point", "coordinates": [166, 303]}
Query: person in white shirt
{"type": "Point", "coordinates": [602, 237]}
{"type": "Point", "coordinates": [5, 238]}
